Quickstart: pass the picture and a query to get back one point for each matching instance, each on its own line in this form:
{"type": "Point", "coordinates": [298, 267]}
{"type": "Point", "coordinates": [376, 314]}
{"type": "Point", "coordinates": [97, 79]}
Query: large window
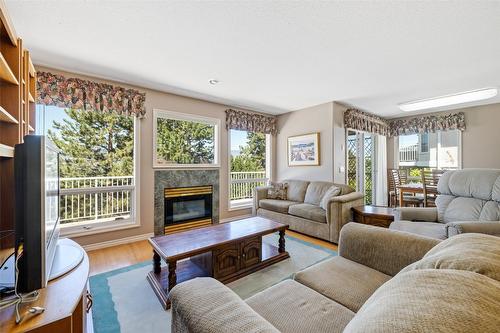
{"type": "Point", "coordinates": [249, 165]}
{"type": "Point", "coordinates": [361, 160]}
{"type": "Point", "coordinates": [440, 150]}
{"type": "Point", "coordinates": [182, 140]}
{"type": "Point", "coordinates": [97, 173]}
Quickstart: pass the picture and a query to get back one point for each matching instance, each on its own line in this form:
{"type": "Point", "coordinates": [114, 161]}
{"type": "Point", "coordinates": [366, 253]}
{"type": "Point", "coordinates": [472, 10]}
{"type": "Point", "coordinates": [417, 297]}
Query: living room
{"type": "Point", "coordinates": [234, 166]}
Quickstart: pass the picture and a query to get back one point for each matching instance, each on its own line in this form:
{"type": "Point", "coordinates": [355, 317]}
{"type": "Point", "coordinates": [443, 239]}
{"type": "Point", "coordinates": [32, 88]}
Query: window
{"type": "Point", "coordinates": [183, 140]}
{"type": "Point", "coordinates": [249, 165]}
{"type": "Point", "coordinates": [440, 150]}
{"type": "Point", "coordinates": [361, 167]}
{"type": "Point", "coordinates": [97, 166]}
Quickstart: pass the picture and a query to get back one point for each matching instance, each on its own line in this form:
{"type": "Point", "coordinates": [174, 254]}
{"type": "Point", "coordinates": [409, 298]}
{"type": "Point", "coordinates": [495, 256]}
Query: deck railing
{"type": "Point", "coordinates": [408, 154]}
{"type": "Point", "coordinates": [243, 183]}
{"type": "Point", "coordinates": [95, 198]}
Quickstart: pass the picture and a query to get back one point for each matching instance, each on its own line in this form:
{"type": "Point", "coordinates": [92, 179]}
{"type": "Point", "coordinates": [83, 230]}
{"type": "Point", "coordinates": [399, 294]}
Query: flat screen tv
{"type": "Point", "coordinates": [36, 163]}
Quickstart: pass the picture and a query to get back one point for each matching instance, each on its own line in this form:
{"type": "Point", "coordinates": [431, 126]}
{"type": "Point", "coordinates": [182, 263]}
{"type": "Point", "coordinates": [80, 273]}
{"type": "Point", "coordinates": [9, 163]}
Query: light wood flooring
{"type": "Point", "coordinates": [110, 258]}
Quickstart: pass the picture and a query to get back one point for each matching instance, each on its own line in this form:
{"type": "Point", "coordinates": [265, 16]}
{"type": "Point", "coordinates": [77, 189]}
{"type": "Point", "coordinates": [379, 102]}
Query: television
{"type": "Point", "coordinates": [36, 163]}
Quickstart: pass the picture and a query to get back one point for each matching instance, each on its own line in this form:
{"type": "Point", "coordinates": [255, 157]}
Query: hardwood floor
{"type": "Point", "coordinates": [110, 258]}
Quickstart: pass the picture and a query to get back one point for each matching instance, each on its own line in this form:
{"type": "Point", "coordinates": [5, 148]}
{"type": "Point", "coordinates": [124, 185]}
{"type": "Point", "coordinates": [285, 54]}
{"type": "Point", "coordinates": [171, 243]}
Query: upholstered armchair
{"type": "Point", "coordinates": [468, 201]}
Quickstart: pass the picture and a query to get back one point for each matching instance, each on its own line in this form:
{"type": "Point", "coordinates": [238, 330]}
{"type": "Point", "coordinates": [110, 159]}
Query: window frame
{"type": "Point", "coordinates": [165, 114]}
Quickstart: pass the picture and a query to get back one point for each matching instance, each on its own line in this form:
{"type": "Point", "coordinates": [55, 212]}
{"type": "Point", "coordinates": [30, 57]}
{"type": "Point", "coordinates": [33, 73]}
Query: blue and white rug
{"type": "Point", "coordinates": [124, 301]}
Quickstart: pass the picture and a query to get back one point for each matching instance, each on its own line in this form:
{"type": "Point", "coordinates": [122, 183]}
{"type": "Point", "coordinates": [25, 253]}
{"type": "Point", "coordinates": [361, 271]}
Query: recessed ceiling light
{"type": "Point", "coordinates": [213, 81]}
{"type": "Point", "coordinates": [463, 97]}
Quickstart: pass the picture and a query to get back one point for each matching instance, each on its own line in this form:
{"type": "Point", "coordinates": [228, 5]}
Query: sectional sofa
{"type": "Point", "coordinates": [302, 212]}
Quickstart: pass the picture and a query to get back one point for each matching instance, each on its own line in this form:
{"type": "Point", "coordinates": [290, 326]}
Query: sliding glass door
{"type": "Point", "coordinates": [361, 163]}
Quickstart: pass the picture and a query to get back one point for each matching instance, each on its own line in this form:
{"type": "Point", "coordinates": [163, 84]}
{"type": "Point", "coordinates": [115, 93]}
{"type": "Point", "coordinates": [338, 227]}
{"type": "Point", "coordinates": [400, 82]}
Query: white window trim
{"type": "Point", "coordinates": [95, 226]}
{"type": "Point", "coordinates": [158, 113]}
{"type": "Point", "coordinates": [269, 161]}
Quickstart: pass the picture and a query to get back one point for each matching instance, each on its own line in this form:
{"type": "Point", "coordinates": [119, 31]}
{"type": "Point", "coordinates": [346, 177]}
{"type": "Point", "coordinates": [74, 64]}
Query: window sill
{"type": "Point", "coordinates": [231, 209]}
{"type": "Point", "coordinates": [95, 228]}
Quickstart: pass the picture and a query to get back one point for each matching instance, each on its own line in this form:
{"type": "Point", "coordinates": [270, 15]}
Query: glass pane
{"type": "Point", "coordinates": [368, 172]}
{"type": "Point", "coordinates": [351, 159]}
{"type": "Point", "coordinates": [186, 210]}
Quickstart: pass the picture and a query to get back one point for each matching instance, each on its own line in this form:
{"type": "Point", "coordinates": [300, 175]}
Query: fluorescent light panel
{"type": "Point", "coordinates": [436, 102]}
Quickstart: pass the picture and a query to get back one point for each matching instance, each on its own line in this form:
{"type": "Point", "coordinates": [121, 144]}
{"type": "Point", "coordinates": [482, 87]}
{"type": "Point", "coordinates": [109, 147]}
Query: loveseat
{"type": "Point", "coordinates": [468, 201]}
{"type": "Point", "coordinates": [381, 281]}
{"type": "Point", "coordinates": [302, 210]}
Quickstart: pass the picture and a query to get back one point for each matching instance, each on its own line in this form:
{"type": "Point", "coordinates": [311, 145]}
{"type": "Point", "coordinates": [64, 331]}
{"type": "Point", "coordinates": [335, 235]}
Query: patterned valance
{"type": "Point", "coordinates": [427, 124]}
{"type": "Point", "coordinates": [253, 122]}
{"type": "Point", "coordinates": [76, 93]}
{"type": "Point", "coordinates": [362, 121]}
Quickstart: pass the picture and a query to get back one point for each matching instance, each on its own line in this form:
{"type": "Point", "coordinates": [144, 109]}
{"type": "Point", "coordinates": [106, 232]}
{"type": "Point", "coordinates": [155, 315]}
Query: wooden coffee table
{"type": "Point", "coordinates": [373, 215]}
{"type": "Point", "coordinates": [226, 251]}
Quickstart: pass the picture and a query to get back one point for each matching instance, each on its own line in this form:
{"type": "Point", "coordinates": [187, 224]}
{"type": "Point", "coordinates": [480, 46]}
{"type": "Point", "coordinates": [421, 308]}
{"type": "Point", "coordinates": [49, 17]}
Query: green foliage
{"type": "Point", "coordinates": [94, 144]}
{"type": "Point", "coordinates": [185, 142]}
{"type": "Point", "coordinates": [252, 156]}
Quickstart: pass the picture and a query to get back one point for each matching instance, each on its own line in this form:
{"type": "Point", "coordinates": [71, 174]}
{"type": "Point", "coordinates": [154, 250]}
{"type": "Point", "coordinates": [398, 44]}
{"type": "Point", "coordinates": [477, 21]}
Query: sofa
{"type": "Point", "coordinates": [381, 281]}
{"type": "Point", "coordinates": [302, 212]}
{"type": "Point", "coordinates": [468, 201]}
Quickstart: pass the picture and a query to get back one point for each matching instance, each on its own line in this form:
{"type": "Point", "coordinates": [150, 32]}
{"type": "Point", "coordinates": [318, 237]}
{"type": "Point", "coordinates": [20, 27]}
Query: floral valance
{"type": "Point", "coordinates": [362, 121]}
{"type": "Point", "coordinates": [427, 124]}
{"type": "Point", "coordinates": [253, 122]}
{"type": "Point", "coordinates": [76, 93]}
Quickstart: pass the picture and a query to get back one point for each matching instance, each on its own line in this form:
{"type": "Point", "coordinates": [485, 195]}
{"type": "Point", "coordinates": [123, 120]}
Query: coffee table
{"type": "Point", "coordinates": [226, 251]}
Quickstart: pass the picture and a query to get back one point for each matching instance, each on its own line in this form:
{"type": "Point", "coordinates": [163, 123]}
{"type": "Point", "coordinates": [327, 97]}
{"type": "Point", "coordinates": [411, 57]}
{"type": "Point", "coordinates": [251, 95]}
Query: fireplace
{"type": "Point", "coordinates": [187, 207]}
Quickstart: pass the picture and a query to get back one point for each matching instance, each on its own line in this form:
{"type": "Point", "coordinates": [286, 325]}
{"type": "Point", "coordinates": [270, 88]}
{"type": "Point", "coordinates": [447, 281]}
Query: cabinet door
{"type": "Point", "coordinates": [226, 260]}
{"type": "Point", "coordinates": [251, 252]}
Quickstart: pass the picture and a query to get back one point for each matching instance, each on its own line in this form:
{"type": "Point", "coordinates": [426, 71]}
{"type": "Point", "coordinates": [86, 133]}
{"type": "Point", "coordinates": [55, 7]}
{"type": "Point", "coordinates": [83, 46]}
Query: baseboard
{"type": "Point", "coordinates": [120, 241]}
{"type": "Point", "coordinates": [235, 218]}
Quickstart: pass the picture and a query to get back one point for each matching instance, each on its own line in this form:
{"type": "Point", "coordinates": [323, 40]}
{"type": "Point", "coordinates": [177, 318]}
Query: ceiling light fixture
{"type": "Point", "coordinates": [463, 97]}
{"type": "Point", "coordinates": [213, 81]}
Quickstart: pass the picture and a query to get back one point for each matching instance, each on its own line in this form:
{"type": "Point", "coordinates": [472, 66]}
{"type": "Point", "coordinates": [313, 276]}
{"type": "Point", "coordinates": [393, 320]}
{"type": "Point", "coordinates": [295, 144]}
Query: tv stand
{"type": "Point", "coordinates": [68, 255]}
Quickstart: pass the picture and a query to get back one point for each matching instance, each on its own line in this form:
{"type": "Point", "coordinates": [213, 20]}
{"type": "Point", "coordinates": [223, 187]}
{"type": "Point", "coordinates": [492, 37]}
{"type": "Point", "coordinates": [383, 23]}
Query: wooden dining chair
{"type": "Point", "coordinates": [392, 198]}
{"type": "Point", "coordinates": [430, 180]}
{"type": "Point", "coordinates": [395, 178]}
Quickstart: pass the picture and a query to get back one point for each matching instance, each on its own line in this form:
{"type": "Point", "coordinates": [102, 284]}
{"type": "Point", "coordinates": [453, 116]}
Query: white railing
{"type": "Point", "coordinates": [243, 184]}
{"type": "Point", "coordinates": [408, 154]}
{"type": "Point", "coordinates": [95, 198]}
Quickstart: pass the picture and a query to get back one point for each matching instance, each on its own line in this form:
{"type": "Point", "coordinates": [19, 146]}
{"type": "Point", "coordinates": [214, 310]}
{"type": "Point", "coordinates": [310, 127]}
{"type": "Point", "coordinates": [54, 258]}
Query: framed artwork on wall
{"type": "Point", "coordinates": [303, 150]}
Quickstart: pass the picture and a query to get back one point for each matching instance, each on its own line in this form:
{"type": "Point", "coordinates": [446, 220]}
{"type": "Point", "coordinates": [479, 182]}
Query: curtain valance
{"type": "Point", "coordinates": [427, 124]}
{"type": "Point", "coordinates": [362, 121]}
{"type": "Point", "coordinates": [76, 93]}
{"type": "Point", "coordinates": [253, 122]}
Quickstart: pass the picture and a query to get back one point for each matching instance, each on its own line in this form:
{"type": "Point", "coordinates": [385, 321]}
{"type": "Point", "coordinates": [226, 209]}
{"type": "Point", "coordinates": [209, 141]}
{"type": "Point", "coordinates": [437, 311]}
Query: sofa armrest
{"type": "Point", "coordinates": [259, 193]}
{"type": "Point", "coordinates": [206, 305]}
{"type": "Point", "coordinates": [480, 227]}
{"type": "Point", "coordinates": [428, 214]}
{"type": "Point", "coordinates": [387, 251]}
{"type": "Point", "coordinates": [338, 212]}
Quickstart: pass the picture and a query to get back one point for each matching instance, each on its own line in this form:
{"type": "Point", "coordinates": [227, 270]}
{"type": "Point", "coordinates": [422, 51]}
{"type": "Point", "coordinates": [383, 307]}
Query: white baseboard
{"type": "Point", "coordinates": [235, 218]}
{"type": "Point", "coordinates": [119, 241]}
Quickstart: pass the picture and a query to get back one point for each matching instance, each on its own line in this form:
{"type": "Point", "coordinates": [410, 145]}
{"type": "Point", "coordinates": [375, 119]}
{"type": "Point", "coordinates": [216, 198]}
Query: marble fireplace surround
{"type": "Point", "coordinates": [183, 178]}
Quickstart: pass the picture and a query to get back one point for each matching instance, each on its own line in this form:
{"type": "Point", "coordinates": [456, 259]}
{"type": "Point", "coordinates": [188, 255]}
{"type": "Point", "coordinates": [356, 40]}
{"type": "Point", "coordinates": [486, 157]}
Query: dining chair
{"type": "Point", "coordinates": [392, 198]}
{"type": "Point", "coordinates": [430, 179]}
{"type": "Point", "coordinates": [395, 178]}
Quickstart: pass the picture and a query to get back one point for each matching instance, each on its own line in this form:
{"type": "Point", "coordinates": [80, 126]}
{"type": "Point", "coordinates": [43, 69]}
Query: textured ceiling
{"type": "Point", "coordinates": [273, 56]}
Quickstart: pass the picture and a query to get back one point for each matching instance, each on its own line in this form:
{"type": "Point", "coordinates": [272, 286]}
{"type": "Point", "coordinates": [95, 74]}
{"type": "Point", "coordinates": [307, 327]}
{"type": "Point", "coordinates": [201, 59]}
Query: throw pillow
{"type": "Point", "coordinates": [329, 194]}
{"type": "Point", "coordinates": [277, 191]}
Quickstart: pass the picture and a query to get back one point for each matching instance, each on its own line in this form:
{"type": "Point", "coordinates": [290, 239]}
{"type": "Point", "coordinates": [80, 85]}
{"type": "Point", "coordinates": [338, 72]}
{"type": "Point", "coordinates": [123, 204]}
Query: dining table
{"type": "Point", "coordinates": [413, 188]}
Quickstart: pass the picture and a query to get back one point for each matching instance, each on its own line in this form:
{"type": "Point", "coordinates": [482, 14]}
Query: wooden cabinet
{"type": "Point", "coordinates": [373, 215]}
{"type": "Point", "coordinates": [231, 258]}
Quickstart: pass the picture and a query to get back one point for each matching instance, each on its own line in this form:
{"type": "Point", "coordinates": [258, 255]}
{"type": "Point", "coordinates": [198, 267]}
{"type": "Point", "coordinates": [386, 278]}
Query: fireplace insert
{"type": "Point", "coordinates": [187, 207]}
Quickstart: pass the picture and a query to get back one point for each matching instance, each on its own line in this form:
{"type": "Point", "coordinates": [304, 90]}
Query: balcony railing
{"type": "Point", "coordinates": [408, 154]}
{"type": "Point", "coordinates": [242, 184]}
{"type": "Point", "coordinates": [95, 198]}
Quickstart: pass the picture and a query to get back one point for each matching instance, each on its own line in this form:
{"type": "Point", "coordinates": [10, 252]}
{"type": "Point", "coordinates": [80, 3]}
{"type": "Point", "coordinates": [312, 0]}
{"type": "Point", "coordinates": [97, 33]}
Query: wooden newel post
{"type": "Point", "coordinates": [281, 247]}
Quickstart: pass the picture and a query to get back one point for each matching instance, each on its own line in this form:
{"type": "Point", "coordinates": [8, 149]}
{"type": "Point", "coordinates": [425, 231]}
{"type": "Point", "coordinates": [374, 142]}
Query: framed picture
{"type": "Point", "coordinates": [303, 150]}
{"type": "Point", "coordinates": [185, 140]}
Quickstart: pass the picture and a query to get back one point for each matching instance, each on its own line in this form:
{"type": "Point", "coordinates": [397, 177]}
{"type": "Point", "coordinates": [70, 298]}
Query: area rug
{"type": "Point", "coordinates": [124, 301]}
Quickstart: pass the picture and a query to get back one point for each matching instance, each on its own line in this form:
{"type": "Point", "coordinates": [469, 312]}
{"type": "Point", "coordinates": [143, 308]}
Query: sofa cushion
{"type": "Point", "coordinates": [446, 301]}
{"type": "Point", "coordinates": [315, 192]}
{"type": "Point", "coordinates": [296, 190]}
{"type": "Point", "coordinates": [343, 281]}
{"type": "Point", "coordinates": [308, 211]}
{"type": "Point", "coordinates": [468, 252]}
{"type": "Point", "coordinates": [332, 192]}
{"type": "Point", "coordinates": [291, 307]}
{"type": "Point", "coordinates": [277, 191]}
{"type": "Point", "coordinates": [276, 205]}
{"type": "Point", "coordinates": [428, 229]}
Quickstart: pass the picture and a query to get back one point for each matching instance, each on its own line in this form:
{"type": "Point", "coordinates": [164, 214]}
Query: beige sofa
{"type": "Point", "coordinates": [382, 281]}
{"type": "Point", "coordinates": [302, 211]}
{"type": "Point", "coordinates": [468, 201]}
